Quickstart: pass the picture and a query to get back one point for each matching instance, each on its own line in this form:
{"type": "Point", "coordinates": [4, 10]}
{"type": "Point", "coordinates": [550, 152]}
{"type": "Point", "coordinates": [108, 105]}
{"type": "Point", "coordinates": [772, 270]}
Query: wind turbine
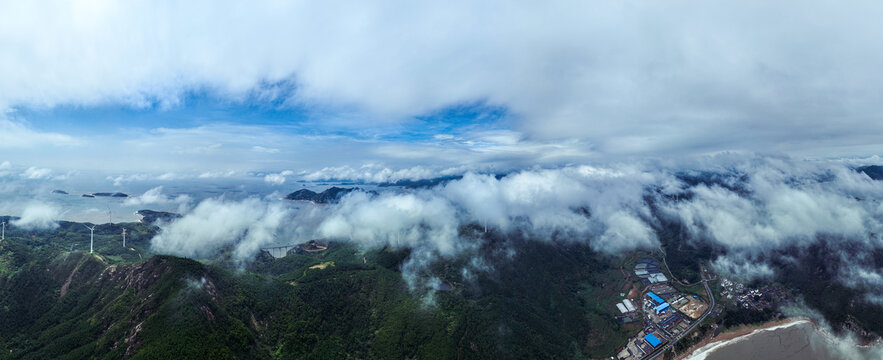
{"type": "Point", "coordinates": [3, 237]}
{"type": "Point", "coordinates": [124, 238]}
{"type": "Point", "coordinates": [91, 236]}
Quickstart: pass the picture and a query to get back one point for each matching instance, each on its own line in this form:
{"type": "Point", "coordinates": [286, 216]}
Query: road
{"type": "Point", "coordinates": [696, 323]}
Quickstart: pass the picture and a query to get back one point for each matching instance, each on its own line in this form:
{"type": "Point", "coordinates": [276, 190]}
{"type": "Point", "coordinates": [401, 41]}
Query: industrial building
{"type": "Point", "coordinates": [656, 278]}
{"type": "Point", "coordinates": [628, 305]}
{"type": "Point", "coordinates": [652, 340]}
{"type": "Point", "coordinates": [625, 306]}
{"type": "Point", "coordinates": [661, 308]}
{"type": "Point", "coordinates": [658, 300]}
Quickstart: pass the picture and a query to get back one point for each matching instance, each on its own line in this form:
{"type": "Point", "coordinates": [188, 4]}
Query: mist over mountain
{"type": "Point", "coordinates": [751, 213]}
{"type": "Point", "coordinates": [873, 171]}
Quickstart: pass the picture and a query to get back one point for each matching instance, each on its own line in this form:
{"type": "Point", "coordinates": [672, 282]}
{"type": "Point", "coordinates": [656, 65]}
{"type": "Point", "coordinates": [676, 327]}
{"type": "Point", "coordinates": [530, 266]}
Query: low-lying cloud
{"type": "Point", "coordinates": [376, 173]}
{"type": "Point", "coordinates": [214, 223]}
{"type": "Point", "coordinates": [35, 173]}
{"type": "Point", "coordinates": [777, 204]}
{"type": "Point", "coordinates": [398, 220]}
{"type": "Point", "coordinates": [156, 196]}
{"type": "Point", "coordinates": [278, 178]}
{"type": "Point", "coordinates": [38, 216]}
{"type": "Point", "coordinates": [745, 208]}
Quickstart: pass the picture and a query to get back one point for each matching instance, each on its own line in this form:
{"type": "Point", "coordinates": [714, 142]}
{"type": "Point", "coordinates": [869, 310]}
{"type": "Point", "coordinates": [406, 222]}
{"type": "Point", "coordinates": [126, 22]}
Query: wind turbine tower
{"type": "Point", "coordinates": [91, 236]}
{"type": "Point", "coordinates": [124, 238]}
{"type": "Point", "coordinates": [3, 237]}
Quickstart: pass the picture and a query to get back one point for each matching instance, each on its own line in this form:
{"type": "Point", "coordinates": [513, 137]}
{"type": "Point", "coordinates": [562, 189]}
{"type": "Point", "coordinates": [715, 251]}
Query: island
{"type": "Point", "coordinates": [329, 196]}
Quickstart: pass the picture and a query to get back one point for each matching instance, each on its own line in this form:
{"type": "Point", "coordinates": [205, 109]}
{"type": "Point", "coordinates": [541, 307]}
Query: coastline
{"type": "Point", "coordinates": [708, 345]}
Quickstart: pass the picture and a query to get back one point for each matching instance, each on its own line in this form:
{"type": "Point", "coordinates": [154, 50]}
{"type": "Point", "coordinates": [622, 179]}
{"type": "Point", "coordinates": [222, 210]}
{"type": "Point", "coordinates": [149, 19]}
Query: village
{"type": "Point", "coordinates": [764, 297]}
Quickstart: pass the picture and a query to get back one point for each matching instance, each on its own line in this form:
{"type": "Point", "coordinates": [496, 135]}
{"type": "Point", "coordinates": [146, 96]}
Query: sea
{"type": "Point", "coordinates": [798, 340]}
{"type": "Point", "coordinates": [15, 197]}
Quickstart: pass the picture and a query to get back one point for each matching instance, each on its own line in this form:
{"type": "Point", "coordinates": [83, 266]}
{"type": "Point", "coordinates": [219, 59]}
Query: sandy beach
{"type": "Point", "coordinates": [699, 350]}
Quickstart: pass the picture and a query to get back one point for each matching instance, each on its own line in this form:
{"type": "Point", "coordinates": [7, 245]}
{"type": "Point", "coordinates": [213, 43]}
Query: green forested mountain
{"type": "Point", "coordinates": [543, 300]}
{"type": "Point", "coordinates": [520, 298]}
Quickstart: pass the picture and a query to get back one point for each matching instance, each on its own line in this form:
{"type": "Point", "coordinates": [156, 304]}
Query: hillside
{"type": "Point", "coordinates": [533, 299]}
{"type": "Point", "coordinates": [873, 171]}
{"type": "Point", "coordinates": [355, 304]}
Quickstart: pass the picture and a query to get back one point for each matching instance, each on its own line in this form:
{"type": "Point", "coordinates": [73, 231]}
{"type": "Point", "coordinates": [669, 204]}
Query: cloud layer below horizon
{"type": "Point", "coordinates": [745, 208]}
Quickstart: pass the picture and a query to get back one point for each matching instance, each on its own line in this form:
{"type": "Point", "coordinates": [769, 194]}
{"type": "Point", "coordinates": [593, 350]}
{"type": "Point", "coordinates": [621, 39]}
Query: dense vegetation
{"type": "Point", "coordinates": [542, 300]}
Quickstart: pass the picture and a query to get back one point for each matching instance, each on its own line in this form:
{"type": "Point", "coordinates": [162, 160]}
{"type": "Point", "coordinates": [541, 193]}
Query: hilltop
{"type": "Point", "coordinates": [328, 196]}
{"type": "Point", "coordinates": [873, 171]}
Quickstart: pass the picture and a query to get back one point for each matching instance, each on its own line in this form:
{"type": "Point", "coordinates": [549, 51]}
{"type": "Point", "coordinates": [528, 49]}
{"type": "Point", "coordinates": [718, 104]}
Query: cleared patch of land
{"type": "Point", "coordinates": [694, 308]}
{"type": "Point", "coordinates": [322, 265]}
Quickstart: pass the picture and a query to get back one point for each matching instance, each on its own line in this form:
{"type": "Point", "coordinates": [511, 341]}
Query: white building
{"type": "Point", "coordinates": [628, 305]}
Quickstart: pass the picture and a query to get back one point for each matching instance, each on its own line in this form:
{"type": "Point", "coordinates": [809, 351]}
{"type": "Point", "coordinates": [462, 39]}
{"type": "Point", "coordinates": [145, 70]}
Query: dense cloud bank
{"type": "Point", "coordinates": [214, 223]}
{"type": "Point", "coordinates": [692, 76]}
{"type": "Point", "coordinates": [745, 208]}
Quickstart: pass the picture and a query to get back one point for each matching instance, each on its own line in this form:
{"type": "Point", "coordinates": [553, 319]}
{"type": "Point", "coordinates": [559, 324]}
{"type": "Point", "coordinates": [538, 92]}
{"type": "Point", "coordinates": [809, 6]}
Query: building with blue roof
{"type": "Point", "coordinates": [652, 340]}
{"type": "Point", "coordinates": [655, 298]}
{"type": "Point", "coordinates": [661, 307]}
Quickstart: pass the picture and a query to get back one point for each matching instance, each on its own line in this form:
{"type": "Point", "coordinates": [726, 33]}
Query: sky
{"type": "Point", "coordinates": [337, 89]}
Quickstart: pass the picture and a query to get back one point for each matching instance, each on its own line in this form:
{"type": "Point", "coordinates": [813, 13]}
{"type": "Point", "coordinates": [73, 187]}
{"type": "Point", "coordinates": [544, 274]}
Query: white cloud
{"type": "Point", "coordinates": [539, 203]}
{"type": "Point", "coordinates": [626, 232]}
{"type": "Point", "coordinates": [38, 216]}
{"type": "Point", "coordinates": [18, 135]}
{"type": "Point", "coordinates": [760, 205]}
{"type": "Point", "coordinates": [741, 268]}
{"type": "Point", "coordinates": [216, 174]}
{"type": "Point", "coordinates": [264, 149]}
{"type": "Point", "coordinates": [377, 173]}
{"type": "Point", "coordinates": [36, 173]}
{"type": "Point", "coordinates": [155, 196]}
{"type": "Point", "coordinates": [407, 220]}
{"type": "Point", "coordinates": [279, 178]}
{"type": "Point", "coordinates": [544, 204]}
{"type": "Point", "coordinates": [787, 203]}
{"type": "Point", "coordinates": [766, 205]}
{"type": "Point", "coordinates": [548, 201]}
{"type": "Point", "coordinates": [245, 225]}
{"type": "Point", "coordinates": [692, 78]}
{"type": "Point", "coordinates": [122, 179]}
